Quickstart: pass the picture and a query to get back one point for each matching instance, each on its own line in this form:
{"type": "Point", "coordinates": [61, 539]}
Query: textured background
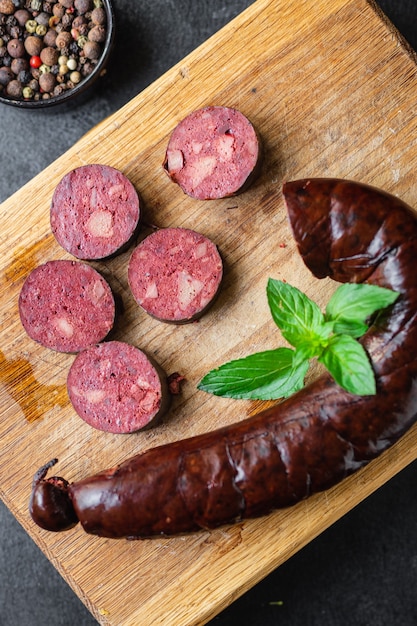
{"type": "Point", "coordinates": [360, 572]}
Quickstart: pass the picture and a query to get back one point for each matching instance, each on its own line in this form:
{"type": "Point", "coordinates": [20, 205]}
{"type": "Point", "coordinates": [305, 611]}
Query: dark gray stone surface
{"type": "Point", "coordinates": [360, 572]}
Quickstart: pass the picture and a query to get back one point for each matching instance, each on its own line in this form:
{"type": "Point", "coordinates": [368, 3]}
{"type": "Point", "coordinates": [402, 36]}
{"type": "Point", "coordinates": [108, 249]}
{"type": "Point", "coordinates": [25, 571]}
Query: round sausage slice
{"type": "Point", "coordinates": [175, 274]}
{"type": "Point", "coordinates": [213, 153]}
{"type": "Point", "coordinates": [66, 306]}
{"type": "Point", "coordinates": [95, 212]}
{"type": "Point", "coordinates": [115, 387]}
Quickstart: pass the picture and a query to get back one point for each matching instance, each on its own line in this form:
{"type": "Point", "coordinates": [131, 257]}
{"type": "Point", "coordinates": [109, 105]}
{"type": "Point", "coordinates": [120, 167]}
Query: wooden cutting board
{"type": "Point", "coordinates": [331, 88]}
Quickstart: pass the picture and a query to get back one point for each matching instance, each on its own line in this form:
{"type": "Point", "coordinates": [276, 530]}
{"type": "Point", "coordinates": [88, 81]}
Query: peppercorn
{"type": "Point", "coordinates": [58, 90]}
{"type": "Point", "coordinates": [19, 65]}
{"type": "Point", "coordinates": [63, 39]}
{"type": "Point", "coordinates": [15, 48]}
{"type": "Point", "coordinates": [58, 10]}
{"type": "Point", "coordinates": [98, 16]}
{"type": "Point", "coordinates": [24, 76]}
{"type": "Point", "coordinates": [78, 21]}
{"type": "Point", "coordinates": [47, 81]}
{"type": "Point", "coordinates": [14, 89]}
{"type": "Point", "coordinates": [81, 41]}
{"type": "Point", "coordinates": [72, 64]}
{"type": "Point", "coordinates": [67, 20]}
{"type": "Point", "coordinates": [42, 18]}
{"type": "Point", "coordinates": [6, 75]}
{"type": "Point", "coordinates": [6, 7]}
{"type": "Point", "coordinates": [44, 69]}
{"type": "Point", "coordinates": [41, 30]}
{"type": "Point", "coordinates": [97, 34]}
{"type": "Point", "coordinates": [31, 26]}
{"type": "Point", "coordinates": [22, 16]}
{"type": "Point", "coordinates": [50, 37]}
{"type": "Point", "coordinates": [35, 61]}
{"type": "Point", "coordinates": [75, 77]}
{"type": "Point", "coordinates": [36, 5]}
{"type": "Point", "coordinates": [92, 50]}
{"type": "Point", "coordinates": [27, 92]}
{"type": "Point", "coordinates": [49, 55]}
{"type": "Point", "coordinates": [33, 45]}
{"type": "Point", "coordinates": [83, 6]}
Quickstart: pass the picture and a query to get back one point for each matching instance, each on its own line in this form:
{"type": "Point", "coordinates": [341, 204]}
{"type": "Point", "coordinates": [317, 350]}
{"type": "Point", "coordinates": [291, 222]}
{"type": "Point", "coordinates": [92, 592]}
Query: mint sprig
{"type": "Point", "coordinates": [330, 337]}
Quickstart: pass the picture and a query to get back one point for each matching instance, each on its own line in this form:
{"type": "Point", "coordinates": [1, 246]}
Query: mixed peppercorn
{"type": "Point", "coordinates": [48, 46]}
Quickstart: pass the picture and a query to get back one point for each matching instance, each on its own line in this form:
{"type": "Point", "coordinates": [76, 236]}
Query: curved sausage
{"type": "Point", "coordinates": [66, 306]}
{"type": "Point", "coordinates": [213, 153]}
{"type": "Point", "coordinates": [95, 212]}
{"type": "Point", "coordinates": [175, 274]}
{"type": "Point", "coordinates": [313, 439]}
{"type": "Point", "coordinates": [117, 388]}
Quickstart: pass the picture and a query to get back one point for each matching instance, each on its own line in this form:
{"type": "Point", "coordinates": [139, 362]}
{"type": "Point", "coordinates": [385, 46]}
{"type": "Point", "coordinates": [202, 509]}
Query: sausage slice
{"type": "Point", "coordinates": [175, 274]}
{"type": "Point", "coordinates": [115, 387]}
{"type": "Point", "coordinates": [66, 306]}
{"type": "Point", "coordinates": [95, 212]}
{"type": "Point", "coordinates": [213, 153]}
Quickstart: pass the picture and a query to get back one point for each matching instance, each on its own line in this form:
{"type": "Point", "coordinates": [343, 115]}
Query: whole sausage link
{"type": "Point", "coordinates": [312, 440]}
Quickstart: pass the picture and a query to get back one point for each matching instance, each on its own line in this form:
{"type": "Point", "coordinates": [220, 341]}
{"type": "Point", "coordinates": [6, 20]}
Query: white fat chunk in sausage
{"type": "Point", "coordinates": [63, 326]}
{"type": "Point", "coordinates": [93, 395]}
{"type": "Point", "coordinates": [200, 169]}
{"type": "Point", "coordinates": [196, 147]}
{"type": "Point", "coordinates": [188, 289]}
{"type": "Point", "coordinates": [100, 223]}
{"type": "Point", "coordinates": [200, 250]}
{"type": "Point", "coordinates": [175, 160]}
{"type": "Point", "coordinates": [98, 292]}
{"type": "Point", "coordinates": [225, 147]}
{"type": "Point", "coordinates": [151, 291]}
{"type": "Point", "coordinates": [119, 191]}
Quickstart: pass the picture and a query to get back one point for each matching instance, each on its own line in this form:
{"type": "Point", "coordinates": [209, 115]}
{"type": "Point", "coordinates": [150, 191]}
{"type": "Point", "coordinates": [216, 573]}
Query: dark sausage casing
{"type": "Point", "coordinates": [315, 438]}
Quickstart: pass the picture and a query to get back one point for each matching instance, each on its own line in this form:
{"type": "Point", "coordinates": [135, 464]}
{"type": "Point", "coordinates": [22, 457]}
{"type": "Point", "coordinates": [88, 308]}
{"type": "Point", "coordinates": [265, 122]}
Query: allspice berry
{"type": "Point", "coordinates": [92, 50]}
{"type": "Point", "coordinates": [22, 16]}
{"type": "Point", "coordinates": [49, 56]}
{"type": "Point", "coordinates": [97, 34]}
{"type": "Point", "coordinates": [19, 65]}
{"type": "Point", "coordinates": [63, 39]}
{"type": "Point", "coordinates": [6, 75]}
{"type": "Point", "coordinates": [7, 7]}
{"type": "Point", "coordinates": [50, 37]}
{"type": "Point", "coordinates": [98, 16]}
{"type": "Point", "coordinates": [83, 6]}
{"type": "Point", "coordinates": [33, 45]}
{"type": "Point", "coordinates": [14, 89]}
{"type": "Point", "coordinates": [15, 48]}
{"type": "Point", "coordinates": [47, 82]}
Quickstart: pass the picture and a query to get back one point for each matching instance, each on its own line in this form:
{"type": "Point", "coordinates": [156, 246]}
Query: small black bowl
{"type": "Point", "coordinates": [73, 94]}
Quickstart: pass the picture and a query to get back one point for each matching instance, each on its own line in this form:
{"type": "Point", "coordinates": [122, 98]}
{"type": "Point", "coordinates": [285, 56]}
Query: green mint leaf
{"type": "Point", "coordinates": [298, 317]}
{"type": "Point", "coordinates": [261, 376]}
{"type": "Point", "coordinates": [356, 302]}
{"type": "Point", "coordinates": [350, 327]}
{"type": "Point", "coordinates": [346, 360]}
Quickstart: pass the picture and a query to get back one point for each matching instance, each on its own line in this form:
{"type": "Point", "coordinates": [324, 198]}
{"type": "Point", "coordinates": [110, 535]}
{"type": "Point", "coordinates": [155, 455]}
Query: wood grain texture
{"type": "Point", "coordinates": [331, 88]}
